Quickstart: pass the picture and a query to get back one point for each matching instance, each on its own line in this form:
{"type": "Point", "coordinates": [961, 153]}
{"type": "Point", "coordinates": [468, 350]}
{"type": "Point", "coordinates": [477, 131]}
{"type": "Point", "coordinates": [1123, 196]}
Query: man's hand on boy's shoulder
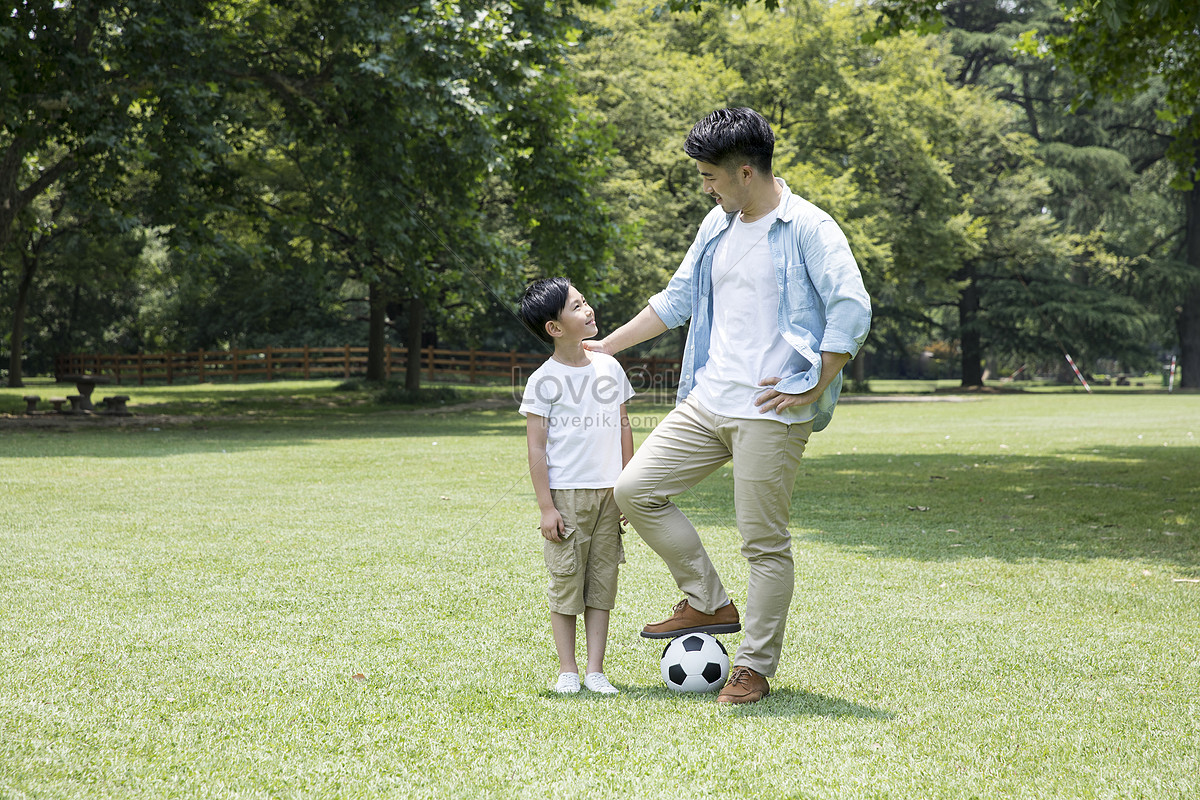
{"type": "Point", "coordinates": [596, 347]}
{"type": "Point", "coordinates": [552, 525]}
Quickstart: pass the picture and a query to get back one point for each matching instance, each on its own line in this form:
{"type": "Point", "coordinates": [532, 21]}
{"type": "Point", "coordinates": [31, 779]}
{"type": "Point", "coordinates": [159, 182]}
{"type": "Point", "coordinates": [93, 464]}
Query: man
{"type": "Point", "coordinates": [777, 307]}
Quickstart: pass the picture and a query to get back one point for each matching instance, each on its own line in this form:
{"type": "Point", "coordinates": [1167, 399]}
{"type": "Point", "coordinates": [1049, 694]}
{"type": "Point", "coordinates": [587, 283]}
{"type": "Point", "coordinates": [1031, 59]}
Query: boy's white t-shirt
{"type": "Point", "coordinates": [746, 345]}
{"type": "Point", "coordinates": [583, 407]}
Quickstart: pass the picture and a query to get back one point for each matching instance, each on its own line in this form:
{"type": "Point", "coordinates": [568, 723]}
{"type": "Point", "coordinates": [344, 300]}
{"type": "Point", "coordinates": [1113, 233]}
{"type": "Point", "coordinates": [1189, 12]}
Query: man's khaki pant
{"type": "Point", "coordinates": [687, 446]}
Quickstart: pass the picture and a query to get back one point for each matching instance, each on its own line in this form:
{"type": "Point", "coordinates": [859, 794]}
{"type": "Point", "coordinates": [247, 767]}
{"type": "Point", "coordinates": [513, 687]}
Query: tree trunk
{"type": "Point", "coordinates": [412, 341]}
{"type": "Point", "coordinates": [968, 330]}
{"type": "Point", "coordinates": [377, 332]}
{"type": "Point", "coordinates": [1188, 323]}
{"type": "Point", "coordinates": [15, 372]}
{"type": "Point", "coordinates": [858, 370]}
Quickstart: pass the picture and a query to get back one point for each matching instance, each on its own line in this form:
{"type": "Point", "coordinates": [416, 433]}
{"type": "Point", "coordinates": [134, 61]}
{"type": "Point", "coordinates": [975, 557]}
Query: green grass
{"type": "Point", "coordinates": [996, 597]}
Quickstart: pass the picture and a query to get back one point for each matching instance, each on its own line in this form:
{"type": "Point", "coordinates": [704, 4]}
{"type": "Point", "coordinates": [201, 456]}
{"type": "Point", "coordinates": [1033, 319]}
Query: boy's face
{"type": "Point", "coordinates": [577, 320]}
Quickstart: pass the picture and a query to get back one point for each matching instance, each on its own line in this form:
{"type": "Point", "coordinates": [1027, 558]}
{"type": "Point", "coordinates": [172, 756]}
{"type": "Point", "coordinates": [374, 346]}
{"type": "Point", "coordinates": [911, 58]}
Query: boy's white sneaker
{"type": "Point", "coordinates": [568, 683]}
{"type": "Point", "coordinates": [596, 682]}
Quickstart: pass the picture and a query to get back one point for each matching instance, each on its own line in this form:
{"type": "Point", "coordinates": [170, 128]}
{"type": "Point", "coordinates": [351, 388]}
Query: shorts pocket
{"type": "Point", "coordinates": [562, 558]}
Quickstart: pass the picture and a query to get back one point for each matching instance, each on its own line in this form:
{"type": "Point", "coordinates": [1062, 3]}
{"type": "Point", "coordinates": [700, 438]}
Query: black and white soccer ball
{"type": "Point", "coordinates": [695, 662]}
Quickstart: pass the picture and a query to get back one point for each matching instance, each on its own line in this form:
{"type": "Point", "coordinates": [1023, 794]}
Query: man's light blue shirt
{"type": "Point", "coordinates": [823, 304]}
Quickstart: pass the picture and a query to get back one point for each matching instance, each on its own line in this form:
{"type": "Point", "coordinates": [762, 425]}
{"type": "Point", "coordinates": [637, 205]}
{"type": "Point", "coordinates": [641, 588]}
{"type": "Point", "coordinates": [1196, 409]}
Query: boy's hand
{"type": "Point", "coordinates": [552, 525]}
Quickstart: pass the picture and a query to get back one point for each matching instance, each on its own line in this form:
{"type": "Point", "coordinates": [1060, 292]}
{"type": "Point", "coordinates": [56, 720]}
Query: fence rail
{"type": "Point", "coordinates": [271, 363]}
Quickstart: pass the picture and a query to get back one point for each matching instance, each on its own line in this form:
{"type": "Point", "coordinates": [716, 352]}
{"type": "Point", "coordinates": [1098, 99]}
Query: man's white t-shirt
{"type": "Point", "coordinates": [746, 346]}
{"type": "Point", "coordinates": [583, 407]}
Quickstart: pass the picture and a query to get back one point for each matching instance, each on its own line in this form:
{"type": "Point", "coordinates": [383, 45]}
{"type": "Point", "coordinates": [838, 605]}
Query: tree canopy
{"type": "Point", "coordinates": [216, 174]}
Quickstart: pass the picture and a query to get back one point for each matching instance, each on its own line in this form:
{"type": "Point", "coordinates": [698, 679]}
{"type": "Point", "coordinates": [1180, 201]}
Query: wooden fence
{"type": "Point", "coordinates": [271, 363]}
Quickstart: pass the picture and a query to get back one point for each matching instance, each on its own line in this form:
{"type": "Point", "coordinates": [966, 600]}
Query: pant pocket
{"type": "Point", "coordinates": [562, 558]}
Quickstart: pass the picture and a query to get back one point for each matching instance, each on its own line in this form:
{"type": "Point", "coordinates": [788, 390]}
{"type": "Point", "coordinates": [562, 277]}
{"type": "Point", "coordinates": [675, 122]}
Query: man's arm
{"type": "Point", "coordinates": [771, 400]}
{"type": "Point", "coordinates": [537, 430]}
{"type": "Point", "coordinates": [646, 325]}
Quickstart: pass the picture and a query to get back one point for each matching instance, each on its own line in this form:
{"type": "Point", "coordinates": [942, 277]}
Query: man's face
{"type": "Point", "coordinates": [727, 187]}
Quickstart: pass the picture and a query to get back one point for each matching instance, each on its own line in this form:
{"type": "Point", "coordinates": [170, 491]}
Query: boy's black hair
{"type": "Point", "coordinates": [544, 300]}
{"type": "Point", "coordinates": [732, 134]}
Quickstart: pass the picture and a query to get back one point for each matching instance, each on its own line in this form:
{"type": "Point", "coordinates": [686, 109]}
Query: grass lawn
{"type": "Point", "coordinates": [314, 596]}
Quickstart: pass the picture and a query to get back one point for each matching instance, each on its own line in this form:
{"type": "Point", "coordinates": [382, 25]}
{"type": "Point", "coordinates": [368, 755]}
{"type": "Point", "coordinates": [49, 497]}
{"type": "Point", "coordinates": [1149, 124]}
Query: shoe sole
{"type": "Point", "coordinates": [731, 701]}
{"type": "Point", "coordinates": [728, 627]}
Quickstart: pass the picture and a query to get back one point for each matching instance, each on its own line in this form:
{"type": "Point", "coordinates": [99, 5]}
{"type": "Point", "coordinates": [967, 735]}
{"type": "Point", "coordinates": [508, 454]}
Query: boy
{"type": "Point", "coordinates": [579, 440]}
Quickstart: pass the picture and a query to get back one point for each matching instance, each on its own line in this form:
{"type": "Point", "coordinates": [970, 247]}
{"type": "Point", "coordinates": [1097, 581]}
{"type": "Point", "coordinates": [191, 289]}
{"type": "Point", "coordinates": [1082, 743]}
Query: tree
{"type": "Point", "coordinates": [80, 261]}
{"type": "Point", "coordinates": [650, 80]}
{"type": "Point", "coordinates": [294, 152]}
{"type": "Point", "coordinates": [387, 138]}
{"type": "Point", "coordinates": [1092, 160]}
{"type": "Point", "coordinates": [1120, 48]}
{"type": "Point", "coordinates": [83, 90]}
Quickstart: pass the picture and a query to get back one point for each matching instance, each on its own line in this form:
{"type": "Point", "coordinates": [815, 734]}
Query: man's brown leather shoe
{"type": "Point", "coordinates": [685, 619]}
{"type": "Point", "coordinates": [744, 686]}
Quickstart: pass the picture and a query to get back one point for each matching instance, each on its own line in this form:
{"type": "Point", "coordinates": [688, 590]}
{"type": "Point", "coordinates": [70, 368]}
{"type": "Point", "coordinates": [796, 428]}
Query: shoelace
{"type": "Point", "coordinates": [597, 682]}
{"type": "Point", "coordinates": [739, 675]}
{"type": "Point", "coordinates": [679, 607]}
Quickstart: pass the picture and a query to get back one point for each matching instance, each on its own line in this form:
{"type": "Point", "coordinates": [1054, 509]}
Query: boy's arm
{"type": "Point", "coordinates": [537, 431]}
{"type": "Point", "coordinates": [626, 438]}
{"type": "Point", "coordinates": [626, 448]}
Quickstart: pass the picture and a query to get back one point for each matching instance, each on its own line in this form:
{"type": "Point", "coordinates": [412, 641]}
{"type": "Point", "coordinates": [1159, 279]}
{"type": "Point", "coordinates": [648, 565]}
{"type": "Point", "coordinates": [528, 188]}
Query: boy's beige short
{"type": "Point", "coordinates": [583, 568]}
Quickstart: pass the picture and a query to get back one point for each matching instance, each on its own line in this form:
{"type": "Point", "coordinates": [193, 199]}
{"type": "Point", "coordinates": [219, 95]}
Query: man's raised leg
{"type": "Point", "coordinates": [678, 454]}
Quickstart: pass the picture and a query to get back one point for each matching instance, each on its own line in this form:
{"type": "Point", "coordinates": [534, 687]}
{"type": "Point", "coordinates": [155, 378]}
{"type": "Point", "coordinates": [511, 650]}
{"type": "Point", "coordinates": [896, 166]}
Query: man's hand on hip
{"type": "Point", "coordinates": [772, 400]}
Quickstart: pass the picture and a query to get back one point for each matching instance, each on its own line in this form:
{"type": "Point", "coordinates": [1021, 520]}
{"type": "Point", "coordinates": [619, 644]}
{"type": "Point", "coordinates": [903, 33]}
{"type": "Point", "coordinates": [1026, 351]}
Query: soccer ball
{"type": "Point", "coordinates": [695, 662]}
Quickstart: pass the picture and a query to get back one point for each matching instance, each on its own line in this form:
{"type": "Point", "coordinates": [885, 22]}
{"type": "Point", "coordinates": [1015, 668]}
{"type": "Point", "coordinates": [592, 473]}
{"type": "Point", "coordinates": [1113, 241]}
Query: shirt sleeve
{"type": "Point", "coordinates": [837, 279]}
{"type": "Point", "coordinates": [532, 401]}
{"type": "Point", "coordinates": [627, 392]}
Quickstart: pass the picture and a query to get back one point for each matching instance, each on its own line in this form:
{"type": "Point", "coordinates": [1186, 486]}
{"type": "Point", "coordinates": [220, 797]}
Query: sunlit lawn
{"type": "Point", "coordinates": [997, 596]}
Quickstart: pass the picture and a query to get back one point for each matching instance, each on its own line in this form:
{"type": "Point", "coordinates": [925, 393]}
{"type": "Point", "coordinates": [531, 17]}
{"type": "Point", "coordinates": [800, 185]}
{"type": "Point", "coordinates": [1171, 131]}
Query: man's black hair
{"type": "Point", "coordinates": [544, 300]}
{"type": "Point", "coordinates": [732, 134]}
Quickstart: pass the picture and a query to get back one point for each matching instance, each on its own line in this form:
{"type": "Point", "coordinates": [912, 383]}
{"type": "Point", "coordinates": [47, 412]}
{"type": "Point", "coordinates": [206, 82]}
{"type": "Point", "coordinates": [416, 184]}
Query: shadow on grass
{"type": "Point", "coordinates": [231, 419]}
{"type": "Point", "coordinates": [93, 437]}
{"type": "Point", "coordinates": [1090, 503]}
{"type": "Point", "coordinates": [785, 702]}
{"type": "Point", "coordinates": [782, 702]}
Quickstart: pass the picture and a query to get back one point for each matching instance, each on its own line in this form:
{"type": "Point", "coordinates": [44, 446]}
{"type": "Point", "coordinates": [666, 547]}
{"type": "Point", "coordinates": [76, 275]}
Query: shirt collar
{"type": "Point", "coordinates": [788, 207]}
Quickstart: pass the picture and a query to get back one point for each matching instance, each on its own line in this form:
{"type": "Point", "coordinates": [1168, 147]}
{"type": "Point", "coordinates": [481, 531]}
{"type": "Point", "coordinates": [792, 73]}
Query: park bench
{"type": "Point", "coordinates": [115, 405]}
{"type": "Point", "coordinates": [31, 401]}
{"type": "Point", "coordinates": [57, 402]}
{"type": "Point", "coordinates": [76, 403]}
